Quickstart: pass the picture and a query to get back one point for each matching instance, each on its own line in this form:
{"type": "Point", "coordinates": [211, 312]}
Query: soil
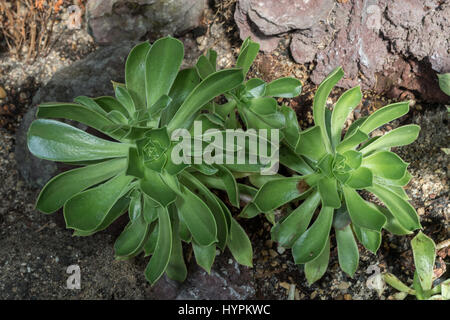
{"type": "Point", "coordinates": [36, 249]}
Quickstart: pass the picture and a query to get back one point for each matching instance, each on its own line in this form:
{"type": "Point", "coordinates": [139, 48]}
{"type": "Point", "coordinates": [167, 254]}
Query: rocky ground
{"type": "Point", "coordinates": [36, 249]}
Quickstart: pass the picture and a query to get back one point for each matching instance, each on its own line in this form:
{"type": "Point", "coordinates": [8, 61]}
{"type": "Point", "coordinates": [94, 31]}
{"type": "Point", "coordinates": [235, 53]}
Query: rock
{"type": "Point", "coordinates": [304, 45]}
{"type": "Point", "coordinates": [275, 17]}
{"type": "Point", "coordinates": [389, 46]}
{"type": "Point", "coordinates": [386, 46]}
{"type": "Point", "coordinates": [90, 77]}
{"type": "Point", "coordinates": [420, 29]}
{"type": "Point", "coordinates": [357, 48]}
{"type": "Point", "coordinates": [267, 43]}
{"type": "Point", "coordinates": [115, 20]}
{"type": "Point", "coordinates": [227, 281]}
{"type": "Point", "coordinates": [2, 93]}
{"type": "Point", "coordinates": [36, 172]}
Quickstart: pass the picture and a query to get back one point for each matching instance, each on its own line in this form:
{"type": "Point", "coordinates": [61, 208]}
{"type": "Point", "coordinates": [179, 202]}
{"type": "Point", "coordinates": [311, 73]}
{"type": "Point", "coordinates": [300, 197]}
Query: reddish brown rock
{"type": "Point", "coordinates": [267, 43]}
{"type": "Point", "coordinates": [390, 46]}
{"type": "Point", "coordinates": [357, 47]}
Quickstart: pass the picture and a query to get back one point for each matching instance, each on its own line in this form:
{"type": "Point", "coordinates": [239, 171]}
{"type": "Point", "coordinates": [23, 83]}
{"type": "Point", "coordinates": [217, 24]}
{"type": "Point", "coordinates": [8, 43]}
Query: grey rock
{"type": "Point", "coordinates": [90, 77]}
{"type": "Point", "coordinates": [227, 281]}
{"type": "Point", "coordinates": [115, 20]}
{"type": "Point", "coordinates": [36, 172]}
{"type": "Point", "coordinates": [275, 17]}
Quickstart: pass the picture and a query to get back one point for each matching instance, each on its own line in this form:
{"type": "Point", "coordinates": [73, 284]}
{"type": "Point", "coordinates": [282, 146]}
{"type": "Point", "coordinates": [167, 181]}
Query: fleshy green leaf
{"type": "Point", "coordinates": [161, 256]}
{"type": "Point", "coordinates": [214, 85]}
{"type": "Point", "coordinates": [255, 88]}
{"type": "Point", "coordinates": [353, 158]}
{"type": "Point", "coordinates": [400, 208]}
{"type": "Point", "coordinates": [360, 178]}
{"type": "Point", "coordinates": [240, 245]}
{"type": "Point", "coordinates": [392, 224]}
{"type": "Point", "coordinates": [135, 208]}
{"type": "Point", "coordinates": [77, 112]}
{"type": "Point", "coordinates": [384, 115]}
{"type": "Point", "coordinates": [87, 210]}
{"type": "Point", "coordinates": [212, 57]}
{"type": "Point", "coordinates": [185, 82]}
{"type": "Point", "coordinates": [161, 67]}
{"type": "Point", "coordinates": [65, 185]}
{"type": "Point", "coordinates": [370, 239]}
{"type": "Point", "coordinates": [444, 82]}
{"type": "Point", "coordinates": [394, 282]}
{"type": "Point", "coordinates": [397, 137]}
{"type": "Point", "coordinates": [293, 161]}
{"type": "Point", "coordinates": [291, 131]}
{"type": "Point", "coordinates": [361, 213]}
{"type": "Point", "coordinates": [125, 99]}
{"type": "Point", "coordinates": [329, 193]}
{"type": "Point", "coordinates": [386, 164]}
{"type": "Point", "coordinates": [119, 208]}
{"type": "Point", "coordinates": [135, 164]}
{"type": "Point", "coordinates": [346, 103]}
{"type": "Point", "coordinates": [176, 269]}
{"type": "Point", "coordinates": [314, 270]}
{"type": "Point", "coordinates": [421, 293]}
{"type": "Point", "coordinates": [263, 106]}
{"type": "Point", "coordinates": [311, 144]}
{"type": "Point", "coordinates": [198, 218]}
{"type": "Point", "coordinates": [277, 192]}
{"type": "Point", "coordinates": [348, 253]}
{"type": "Point", "coordinates": [313, 241]}
{"type": "Point", "coordinates": [352, 141]}
{"type": "Point", "coordinates": [284, 88]}
{"type": "Point", "coordinates": [248, 53]}
{"type": "Point", "coordinates": [135, 74]}
{"type": "Point", "coordinates": [320, 100]}
{"type": "Point", "coordinates": [149, 208]}
{"type": "Point", "coordinates": [204, 255]}
{"type": "Point", "coordinates": [208, 197]}
{"type": "Point", "coordinates": [204, 67]}
{"type": "Point", "coordinates": [424, 251]}
{"type": "Point", "coordinates": [296, 223]}
{"type": "Point", "coordinates": [132, 239]}
{"type": "Point", "coordinates": [57, 141]}
{"type": "Point", "coordinates": [150, 244]}
{"type": "Point", "coordinates": [230, 185]}
{"type": "Point", "coordinates": [109, 104]}
{"type": "Point", "coordinates": [156, 188]}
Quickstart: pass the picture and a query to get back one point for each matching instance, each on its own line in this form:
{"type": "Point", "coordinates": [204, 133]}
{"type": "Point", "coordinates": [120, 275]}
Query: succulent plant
{"type": "Point", "coordinates": [126, 165]}
{"type": "Point", "coordinates": [424, 253]}
{"type": "Point", "coordinates": [254, 99]}
{"type": "Point", "coordinates": [332, 170]}
{"type": "Point", "coordinates": [444, 82]}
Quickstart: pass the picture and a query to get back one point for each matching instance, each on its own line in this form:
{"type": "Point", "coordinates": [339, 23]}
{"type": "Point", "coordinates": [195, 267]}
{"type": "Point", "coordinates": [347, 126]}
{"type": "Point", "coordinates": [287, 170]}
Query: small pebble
{"type": "Point", "coordinates": [2, 93]}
